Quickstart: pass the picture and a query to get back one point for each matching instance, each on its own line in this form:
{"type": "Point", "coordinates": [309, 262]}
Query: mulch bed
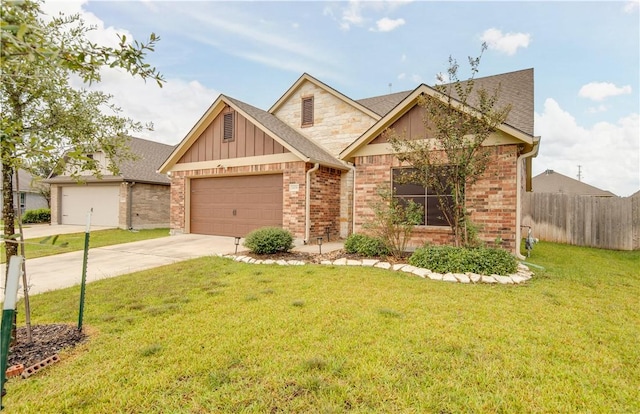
{"type": "Point", "coordinates": [47, 340]}
{"type": "Point", "coordinates": [317, 258]}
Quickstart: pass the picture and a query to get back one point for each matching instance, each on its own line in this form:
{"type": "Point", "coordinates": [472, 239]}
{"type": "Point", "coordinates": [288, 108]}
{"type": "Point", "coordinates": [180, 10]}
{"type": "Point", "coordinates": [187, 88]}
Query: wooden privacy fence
{"type": "Point", "coordinates": [604, 222]}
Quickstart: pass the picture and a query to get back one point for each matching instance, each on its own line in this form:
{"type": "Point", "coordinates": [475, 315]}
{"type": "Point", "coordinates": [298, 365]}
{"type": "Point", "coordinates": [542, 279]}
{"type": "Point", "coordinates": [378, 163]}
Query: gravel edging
{"type": "Point", "coordinates": [521, 276]}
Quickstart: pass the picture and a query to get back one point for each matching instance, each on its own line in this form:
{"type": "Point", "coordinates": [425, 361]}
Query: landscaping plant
{"type": "Point", "coordinates": [269, 240]}
{"type": "Point", "coordinates": [41, 215]}
{"type": "Point", "coordinates": [451, 259]}
{"type": "Point", "coordinates": [365, 245]}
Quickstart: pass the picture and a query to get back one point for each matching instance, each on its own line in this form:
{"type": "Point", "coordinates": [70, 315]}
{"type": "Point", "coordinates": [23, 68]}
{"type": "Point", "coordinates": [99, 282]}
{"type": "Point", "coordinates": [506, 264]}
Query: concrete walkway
{"type": "Point", "coordinates": [65, 270]}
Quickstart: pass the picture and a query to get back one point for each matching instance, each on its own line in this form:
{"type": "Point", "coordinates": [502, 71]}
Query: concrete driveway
{"type": "Point", "coordinates": [64, 270]}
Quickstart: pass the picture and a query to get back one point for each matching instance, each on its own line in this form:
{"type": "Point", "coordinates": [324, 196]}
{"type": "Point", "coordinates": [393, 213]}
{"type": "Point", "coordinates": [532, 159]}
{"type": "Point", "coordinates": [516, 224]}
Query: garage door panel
{"type": "Point", "coordinates": [77, 201]}
{"type": "Point", "coordinates": [235, 206]}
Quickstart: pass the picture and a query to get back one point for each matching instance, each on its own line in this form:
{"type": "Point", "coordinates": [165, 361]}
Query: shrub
{"type": "Point", "coordinates": [481, 260]}
{"type": "Point", "coordinates": [269, 240]}
{"type": "Point", "coordinates": [42, 215]}
{"type": "Point", "coordinates": [393, 220]}
{"type": "Point", "coordinates": [364, 245]}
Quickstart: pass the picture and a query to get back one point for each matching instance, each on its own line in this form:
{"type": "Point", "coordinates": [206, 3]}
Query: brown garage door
{"type": "Point", "coordinates": [234, 206]}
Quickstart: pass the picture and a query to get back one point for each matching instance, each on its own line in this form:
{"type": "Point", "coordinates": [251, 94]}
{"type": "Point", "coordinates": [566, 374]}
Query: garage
{"type": "Point", "coordinates": [235, 206]}
{"type": "Point", "coordinates": [77, 200]}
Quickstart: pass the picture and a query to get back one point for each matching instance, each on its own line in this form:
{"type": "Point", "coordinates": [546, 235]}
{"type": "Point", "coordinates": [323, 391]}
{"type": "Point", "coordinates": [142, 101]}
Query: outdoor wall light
{"type": "Point", "coordinates": [320, 244]}
{"type": "Point", "coordinates": [236, 242]}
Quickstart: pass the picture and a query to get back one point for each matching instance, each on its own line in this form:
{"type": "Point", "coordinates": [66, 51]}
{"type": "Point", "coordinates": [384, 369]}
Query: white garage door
{"type": "Point", "coordinates": [78, 200]}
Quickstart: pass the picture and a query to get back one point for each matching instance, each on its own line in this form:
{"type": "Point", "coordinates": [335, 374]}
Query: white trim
{"type": "Point", "coordinates": [238, 162]}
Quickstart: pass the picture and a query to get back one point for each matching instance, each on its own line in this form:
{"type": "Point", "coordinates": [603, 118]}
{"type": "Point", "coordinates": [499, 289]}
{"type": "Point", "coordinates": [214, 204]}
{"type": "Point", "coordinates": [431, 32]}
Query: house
{"type": "Point", "coordinates": [553, 182]}
{"type": "Point", "coordinates": [27, 193]}
{"type": "Point", "coordinates": [137, 198]}
{"type": "Point", "coordinates": [311, 163]}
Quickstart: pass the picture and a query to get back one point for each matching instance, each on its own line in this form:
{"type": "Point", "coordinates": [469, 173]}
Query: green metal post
{"type": "Point", "coordinates": [84, 270]}
{"type": "Point", "coordinates": [8, 310]}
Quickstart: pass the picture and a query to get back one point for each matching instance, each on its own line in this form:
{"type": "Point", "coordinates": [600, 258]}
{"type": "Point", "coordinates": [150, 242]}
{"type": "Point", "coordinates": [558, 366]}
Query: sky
{"type": "Point", "coordinates": [585, 56]}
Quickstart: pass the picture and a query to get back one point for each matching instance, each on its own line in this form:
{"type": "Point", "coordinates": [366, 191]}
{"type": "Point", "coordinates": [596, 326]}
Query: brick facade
{"type": "Point", "coordinates": [491, 201]}
{"type": "Point", "coordinates": [293, 192]}
{"type": "Point", "coordinates": [325, 204]}
{"type": "Point", "coordinates": [149, 206]}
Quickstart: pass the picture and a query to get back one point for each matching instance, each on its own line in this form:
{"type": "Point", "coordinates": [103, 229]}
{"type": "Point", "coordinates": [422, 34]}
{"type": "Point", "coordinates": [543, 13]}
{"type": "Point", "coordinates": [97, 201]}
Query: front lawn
{"type": "Point", "coordinates": [213, 335]}
{"type": "Point", "coordinates": [40, 247]}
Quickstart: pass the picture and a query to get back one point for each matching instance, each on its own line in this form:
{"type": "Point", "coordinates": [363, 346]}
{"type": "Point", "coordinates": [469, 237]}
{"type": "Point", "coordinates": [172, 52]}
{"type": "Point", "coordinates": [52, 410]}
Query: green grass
{"type": "Point", "coordinates": [40, 247]}
{"type": "Point", "coordinates": [213, 335]}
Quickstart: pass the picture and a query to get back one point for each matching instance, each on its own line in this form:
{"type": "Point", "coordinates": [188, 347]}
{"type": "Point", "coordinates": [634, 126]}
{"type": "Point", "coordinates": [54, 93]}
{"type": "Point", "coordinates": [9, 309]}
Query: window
{"type": "Point", "coordinates": [227, 134]}
{"type": "Point", "coordinates": [426, 197]}
{"type": "Point", "coordinates": [307, 111]}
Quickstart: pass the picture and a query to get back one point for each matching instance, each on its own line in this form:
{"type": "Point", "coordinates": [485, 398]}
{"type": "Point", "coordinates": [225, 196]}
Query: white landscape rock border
{"type": "Point", "coordinates": [522, 275]}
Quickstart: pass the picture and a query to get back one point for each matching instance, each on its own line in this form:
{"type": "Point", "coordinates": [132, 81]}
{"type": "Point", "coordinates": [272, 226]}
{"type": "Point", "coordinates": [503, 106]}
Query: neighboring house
{"type": "Point", "coordinates": [28, 196]}
{"type": "Point", "coordinates": [554, 182]}
{"type": "Point", "coordinates": [312, 162]}
{"type": "Point", "coordinates": [137, 198]}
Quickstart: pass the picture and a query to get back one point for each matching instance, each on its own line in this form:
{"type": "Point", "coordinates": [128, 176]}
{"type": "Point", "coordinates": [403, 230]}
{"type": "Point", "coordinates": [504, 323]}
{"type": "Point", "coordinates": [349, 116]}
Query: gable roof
{"type": "Point", "coordinates": [411, 100]}
{"type": "Point", "coordinates": [515, 89]}
{"type": "Point", "coordinates": [384, 103]}
{"type": "Point", "coordinates": [308, 78]}
{"type": "Point", "coordinates": [554, 182]}
{"type": "Point", "coordinates": [288, 137]}
{"type": "Point", "coordinates": [149, 155]}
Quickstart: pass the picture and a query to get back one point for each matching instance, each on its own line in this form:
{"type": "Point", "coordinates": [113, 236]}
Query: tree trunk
{"type": "Point", "coordinates": [8, 213]}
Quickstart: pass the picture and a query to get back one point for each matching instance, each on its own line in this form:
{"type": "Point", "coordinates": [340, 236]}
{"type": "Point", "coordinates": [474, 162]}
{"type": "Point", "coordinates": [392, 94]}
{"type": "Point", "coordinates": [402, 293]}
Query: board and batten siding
{"type": "Point", "coordinates": [248, 141]}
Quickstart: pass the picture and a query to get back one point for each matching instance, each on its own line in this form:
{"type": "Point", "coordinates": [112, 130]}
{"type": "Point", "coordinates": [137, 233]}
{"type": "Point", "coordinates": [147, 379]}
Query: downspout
{"type": "Point", "coordinates": [129, 205]}
{"type": "Point", "coordinates": [307, 207]}
{"type": "Point", "coordinates": [521, 158]}
{"type": "Point", "coordinates": [353, 198]}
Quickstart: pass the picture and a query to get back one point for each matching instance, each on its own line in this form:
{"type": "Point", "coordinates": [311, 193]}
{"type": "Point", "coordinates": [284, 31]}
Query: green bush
{"type": "Point", "coordinates": [364, 245]}
{"type": "Point", "coordinates": [481, 260]}
{"type": "Point", "coordinates": [42, 215]}
{"type": "Point", "coordinates": [269, 240]}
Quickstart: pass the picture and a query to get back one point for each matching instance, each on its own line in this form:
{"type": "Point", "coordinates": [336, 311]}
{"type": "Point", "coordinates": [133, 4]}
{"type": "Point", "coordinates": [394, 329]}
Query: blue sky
{"type": "Point", "coordinates": [586, 57]}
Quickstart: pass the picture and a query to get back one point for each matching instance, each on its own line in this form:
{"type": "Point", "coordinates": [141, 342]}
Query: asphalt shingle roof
{"type": "Point", "coordinates": [149, 157]}
{"type": "Point", "coordinates": [283, 131]}
{"type": "Point", "coordinates": [553, 182]}
{"type": "Point", "coordinates": [516, 89]}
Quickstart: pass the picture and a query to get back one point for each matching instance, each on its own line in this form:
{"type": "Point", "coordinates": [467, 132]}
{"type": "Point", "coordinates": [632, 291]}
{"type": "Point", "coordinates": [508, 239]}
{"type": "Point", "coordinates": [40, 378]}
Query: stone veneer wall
{"type": "Point", "coordinates": [491, 201]}
{"type": "Point", "coordinates": [293, 192]}
{"type": "Point", "coordinates": [150, 206]}
{"type": "Point", "coordinates": [336, 123]}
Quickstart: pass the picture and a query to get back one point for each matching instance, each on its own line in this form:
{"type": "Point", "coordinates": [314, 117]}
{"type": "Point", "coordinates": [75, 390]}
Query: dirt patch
{"type": "Point", "coordinates": [48, 340]}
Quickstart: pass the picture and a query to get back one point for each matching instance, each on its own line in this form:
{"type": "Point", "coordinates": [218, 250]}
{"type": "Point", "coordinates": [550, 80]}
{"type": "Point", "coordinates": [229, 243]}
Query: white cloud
{"type": "Point", "coordinates": [402, 76]}
{"type": "Point", "coordinates": [597, 109]}
{"type": "Point", "coordinates": [597, 91]}
{"type": "Point", "coordinates": [631, 6]}
{"type": "Point", "coordinates": [608, 153]}
{"type": "Point", "coordinates": [173, 109]}
{"type": "Point", "coordinates": [386, 25]}
{"type": "Point", "coordinates": [416, 78]}
{"type": "Point", "coordinates": [351, 15]}
{"type": "Point", "coordinates": [403, 58]}
{"type": "Point", "coordinates": [506, 43]}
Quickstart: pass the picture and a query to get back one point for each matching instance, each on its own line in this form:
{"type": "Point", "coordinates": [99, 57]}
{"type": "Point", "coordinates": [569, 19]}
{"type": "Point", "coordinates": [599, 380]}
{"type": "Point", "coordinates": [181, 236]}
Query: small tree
{"type": "Point", "coordinates": [394, 220]}
{"type": "Point", "coordinates": [458, 118]}
{"type": "Point", "coordinates": [42, 116]}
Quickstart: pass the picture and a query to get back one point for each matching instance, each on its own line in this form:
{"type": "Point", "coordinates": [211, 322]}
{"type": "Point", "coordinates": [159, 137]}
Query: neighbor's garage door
{"type": "Point", "coordinates": [78, 200]}
{"type": "Point", "coordinates": [234, 206]}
